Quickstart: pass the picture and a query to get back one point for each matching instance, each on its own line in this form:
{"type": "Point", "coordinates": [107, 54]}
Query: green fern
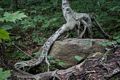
{"type": "Point", "coordinates": [12, 17]}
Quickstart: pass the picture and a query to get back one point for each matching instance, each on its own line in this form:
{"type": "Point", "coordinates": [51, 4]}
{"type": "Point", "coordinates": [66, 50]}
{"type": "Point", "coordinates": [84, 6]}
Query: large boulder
{"type": "Point", "coordinates": [67, 49]}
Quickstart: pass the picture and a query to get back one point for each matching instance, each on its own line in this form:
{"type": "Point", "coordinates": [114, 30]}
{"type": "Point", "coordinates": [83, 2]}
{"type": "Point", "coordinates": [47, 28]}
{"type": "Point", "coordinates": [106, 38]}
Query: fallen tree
{"type": "Point", "coordinates": [95, 67]}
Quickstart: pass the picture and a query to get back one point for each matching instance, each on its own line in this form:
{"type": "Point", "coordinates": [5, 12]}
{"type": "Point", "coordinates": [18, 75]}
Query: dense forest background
{"type": "Point", "coordinates": [26, 24]}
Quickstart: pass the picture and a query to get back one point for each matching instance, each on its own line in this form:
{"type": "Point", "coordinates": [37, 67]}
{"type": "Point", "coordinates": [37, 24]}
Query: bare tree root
{"type": "Point", "coordinates": [24, 66]}
{"type": "Point", "coordinates": [91, 69]}
{"type": "Point", "coordinates": [73, 19]}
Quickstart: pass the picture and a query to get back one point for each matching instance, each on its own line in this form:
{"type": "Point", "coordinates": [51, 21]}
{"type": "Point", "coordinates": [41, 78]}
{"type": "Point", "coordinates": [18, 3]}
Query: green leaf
{"type": "Point", "coordinates": [19, 15]}
{"type": "Point", "coordinates": [78, 58]}
{"type": "Point", "coordinates": [114, 8]}
{"type": "Point", "coordinates": [4, 35]}
{"type": "Point", "coordinates": [4, 74]}
{"type": "Point", "coordinates": [118, 40]}
{"type": "Point", "coordinates": [12, 17]}
{"type": "Point", "coordinates": [116, 37]}
{"type": "Point", "coordinates": [61, 63]}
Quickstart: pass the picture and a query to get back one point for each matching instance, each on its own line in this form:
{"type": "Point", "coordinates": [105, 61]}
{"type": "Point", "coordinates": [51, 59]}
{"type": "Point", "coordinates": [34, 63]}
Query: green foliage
{"type": "Point", "coordinates": [9, 17]}
{"type": "Point", "coordinates": [61, 63]}
{"type": "Point", "coordinates": [12, 17]}
{"type": "Point", "coordinates": [4, 74]}
{"type": "Point", "coordinates": [50, 22]}
{"type": "Point", "coordinates": [116, 40]}
{"type": "Point", "coordinates": [107, 43]}
{"type": "Point", "coordinates": [116, 37]}
{"type": "Point", "coordinates": [19, 55]}
{"type": "Point", "coordinates": [4, 35]}
{"type": "Point", "coordinates": [28, 23]}
{"type": "Point", "coordinates": [38, 39]}
{"type": "Point", "coordinates": [56, 63]}
{"type": "Point", "coordinates": [78, 58]}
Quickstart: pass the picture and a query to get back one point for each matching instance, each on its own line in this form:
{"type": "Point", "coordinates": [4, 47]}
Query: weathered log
{"type": "Point", "coordinates": [93, 68]}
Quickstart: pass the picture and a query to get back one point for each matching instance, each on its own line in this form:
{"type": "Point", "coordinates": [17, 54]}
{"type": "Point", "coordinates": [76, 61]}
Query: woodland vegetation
{"type": "Point", "coordinates": [25, 25]}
